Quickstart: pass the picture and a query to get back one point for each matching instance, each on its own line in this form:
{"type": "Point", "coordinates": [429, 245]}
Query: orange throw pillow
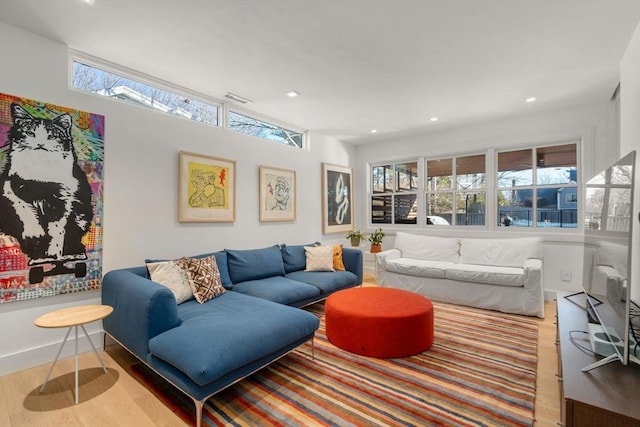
{"type": "Point", "coordinates": [337, 258]}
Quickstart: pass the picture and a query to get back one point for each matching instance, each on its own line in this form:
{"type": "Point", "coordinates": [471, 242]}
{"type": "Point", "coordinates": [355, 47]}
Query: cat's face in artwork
{"type": "Point", "coordinates": [48, 135]}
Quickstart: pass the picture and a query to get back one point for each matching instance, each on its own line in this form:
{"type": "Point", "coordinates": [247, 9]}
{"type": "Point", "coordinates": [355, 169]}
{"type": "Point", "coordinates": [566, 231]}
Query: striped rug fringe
{"type": "Point", "coordinates": [480, 371]}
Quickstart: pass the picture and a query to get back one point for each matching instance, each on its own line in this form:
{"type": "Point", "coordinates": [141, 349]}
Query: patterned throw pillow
{"type": "Point", "coordinates": [204, 277]}
{"type": "Point", "coordinates": [338, 265]}
{"type": "Point", "coordinates": [319, 258]}
{"type": "Point", "coordinates": [172, 276]}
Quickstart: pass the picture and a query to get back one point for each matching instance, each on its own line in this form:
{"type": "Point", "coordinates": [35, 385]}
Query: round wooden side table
{"type": "Point", "coordinates": [71, 318]}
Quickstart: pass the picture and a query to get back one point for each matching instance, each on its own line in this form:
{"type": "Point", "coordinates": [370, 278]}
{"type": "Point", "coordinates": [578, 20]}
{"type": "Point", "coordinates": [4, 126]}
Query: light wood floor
{"type": "Point", "coordinates": [118, 399]}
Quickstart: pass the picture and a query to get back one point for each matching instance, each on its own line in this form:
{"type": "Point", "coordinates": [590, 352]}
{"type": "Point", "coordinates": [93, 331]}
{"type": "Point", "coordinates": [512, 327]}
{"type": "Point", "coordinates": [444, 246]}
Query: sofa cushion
{"type": "Point", "coordinates": [204, 277]}
{"type": "Point", "coordinates": [319, 258]}
{"type": "Point", "coordinates": [223, 269]}
{"type": "Point", "coordinates": [427, 247]}
{"type": "Point", "coordinates": [172, 276]}
{"type": "Point", "coordinates": [254, 264]}
{"type": "Point", "coordinates": [277, 289]}
{"type": "Point", "coordinates": [326, 282]}
{"type": "Point", "coordinates": [294, 257]}
{"type": "Point", "coordinates": [228, 333]}
{"type": "Point", "coordinates": [500, 252]}
{"type": "Point", "coordinates": [493, 275]}
{"type": "Point", "coordinates": [221, 261]}
{"type": "Point", "coordinates": [418, 267]}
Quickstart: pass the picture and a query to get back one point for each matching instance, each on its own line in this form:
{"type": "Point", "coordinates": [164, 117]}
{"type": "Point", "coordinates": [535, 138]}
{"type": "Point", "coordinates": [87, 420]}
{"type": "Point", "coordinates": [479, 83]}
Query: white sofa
{"type": "Point", "coordinates": [495, 274]}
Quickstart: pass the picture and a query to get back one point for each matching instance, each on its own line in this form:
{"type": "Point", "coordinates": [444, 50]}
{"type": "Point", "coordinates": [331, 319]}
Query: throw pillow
{"type": "Point", "coordinates": [172, 276]}
{"type": "Point", "coordinates": [319, 258]}
{"type": "Point", "coordinates": [338, 265]}
{"type": "Point", "coordinates": [204, 277]}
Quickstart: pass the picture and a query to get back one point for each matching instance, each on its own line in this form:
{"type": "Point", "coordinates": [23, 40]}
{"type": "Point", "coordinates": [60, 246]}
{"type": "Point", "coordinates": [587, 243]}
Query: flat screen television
{"type": "Point", "coordinates": [612, 290]}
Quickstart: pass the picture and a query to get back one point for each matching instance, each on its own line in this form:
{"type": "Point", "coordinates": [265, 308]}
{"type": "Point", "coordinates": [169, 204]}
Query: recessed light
{"type": "Point", "coordinates": [532, 99]}
{"type": "Point", "coordinates": [434, 119]}
{"type": "Point", "coordinates": [374, 131]}
{"type": "Point", "coordinates": [293, 94]}
{"type": "Point", "coordinates": [89, 2]}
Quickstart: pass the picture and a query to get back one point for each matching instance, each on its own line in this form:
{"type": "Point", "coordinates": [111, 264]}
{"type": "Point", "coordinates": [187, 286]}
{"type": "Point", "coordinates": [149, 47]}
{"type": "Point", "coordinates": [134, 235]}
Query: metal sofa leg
{"type": "Point", "coordinates": [199, 404]}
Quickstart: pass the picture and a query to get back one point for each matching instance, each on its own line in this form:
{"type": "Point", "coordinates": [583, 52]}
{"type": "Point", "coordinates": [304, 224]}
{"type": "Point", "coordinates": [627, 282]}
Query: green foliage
{"type": "Point", "coordinates": [355, 234]}
{"type": "Point", "coordinates": [376, 237]}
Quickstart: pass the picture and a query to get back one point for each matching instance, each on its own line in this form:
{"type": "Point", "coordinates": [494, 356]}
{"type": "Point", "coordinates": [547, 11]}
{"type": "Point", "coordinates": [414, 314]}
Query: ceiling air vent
{"type": "Point", "coordinates": [237, 98]}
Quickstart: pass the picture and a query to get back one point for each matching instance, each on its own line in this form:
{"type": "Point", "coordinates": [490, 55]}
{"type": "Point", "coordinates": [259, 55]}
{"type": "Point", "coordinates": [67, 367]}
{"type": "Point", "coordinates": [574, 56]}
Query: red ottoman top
{"type": "Point", "coordinates": [379, 322]}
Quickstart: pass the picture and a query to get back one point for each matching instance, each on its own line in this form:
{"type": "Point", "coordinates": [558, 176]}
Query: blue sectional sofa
{"type": "Point", "coordinates": [204, 348]}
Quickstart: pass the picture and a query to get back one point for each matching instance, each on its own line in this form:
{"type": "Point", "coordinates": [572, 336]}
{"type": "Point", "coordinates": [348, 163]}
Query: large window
{"type": "Point", "coordinates": [455, 191]}
{"type": "Point", "coordinates": [529, 188]}
{"type": "Point", "coordinates": [112, 85]}
{"type": "Point", "coordinates": [538, 187]}
{"type": "Point", "coordinates": [116, 85]}
{"type": "Point", "coordinates": [245, 124]}
{"type": "Point", "coordinates": [394, 197]}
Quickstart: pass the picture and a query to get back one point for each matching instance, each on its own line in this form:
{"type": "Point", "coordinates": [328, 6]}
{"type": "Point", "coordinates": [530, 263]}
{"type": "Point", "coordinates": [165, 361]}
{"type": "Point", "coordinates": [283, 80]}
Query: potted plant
{"type": "Point", "coordinates": [355, 236]}
{"type": "Point", "coordinates": [376, 241]}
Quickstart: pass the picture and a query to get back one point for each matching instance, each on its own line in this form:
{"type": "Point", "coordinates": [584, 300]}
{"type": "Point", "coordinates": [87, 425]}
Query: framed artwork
{"type": "Point", "coordinates": [51, 229]}
{"type": "Point", "coordinates": [277, 194]}
{"type": "Point", "coordinates": [337, 199]}
{"type": "Point", "coordinates": [207, 190]}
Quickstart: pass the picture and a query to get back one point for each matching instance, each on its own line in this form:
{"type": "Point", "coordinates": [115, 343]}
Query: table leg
{"type": "Point", "coordinates": [76, 329]}
{"type": "Point", "coordinates": [55, 360]}
{"type": "Point", "coordinates": [104, 368]}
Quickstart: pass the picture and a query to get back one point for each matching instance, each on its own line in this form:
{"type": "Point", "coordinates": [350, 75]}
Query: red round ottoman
{"type": "Point", "coordinates": [379, 322]}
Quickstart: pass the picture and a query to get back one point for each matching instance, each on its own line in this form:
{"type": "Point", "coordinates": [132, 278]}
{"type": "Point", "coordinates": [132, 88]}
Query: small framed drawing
{"type": "Point", "coordinates": [277, 194]}
{"type": "Point", "coordinates": [207, 191]}
{"type": "Point", "coordinates": [337, 199]}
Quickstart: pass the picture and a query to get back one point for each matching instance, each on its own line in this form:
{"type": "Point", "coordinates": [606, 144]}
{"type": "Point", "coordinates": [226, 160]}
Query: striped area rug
{"type": "Point", "coordinates": [480, 371]}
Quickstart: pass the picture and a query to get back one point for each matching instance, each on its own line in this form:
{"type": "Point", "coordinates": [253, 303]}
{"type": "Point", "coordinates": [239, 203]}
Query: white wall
{"type": "Point", "coordinates": [630, 137]}
{"type": "Point", "coordinates": [140, 188]}
{"type": "Point", "coordinates": [592, 124]}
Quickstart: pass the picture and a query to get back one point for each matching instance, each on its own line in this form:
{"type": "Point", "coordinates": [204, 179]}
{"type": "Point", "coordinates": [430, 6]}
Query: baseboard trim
{"type": "Point", "coordinates": [45, 354]}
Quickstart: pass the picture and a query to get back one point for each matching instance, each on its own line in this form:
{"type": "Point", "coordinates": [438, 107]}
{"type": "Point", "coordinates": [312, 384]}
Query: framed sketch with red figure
{"type": "Point", "coordinates": [207, 189]}
{"type": "Point", "coordinates": [337, 199]}
{"type": "Point", "coordinates": [277, 194]}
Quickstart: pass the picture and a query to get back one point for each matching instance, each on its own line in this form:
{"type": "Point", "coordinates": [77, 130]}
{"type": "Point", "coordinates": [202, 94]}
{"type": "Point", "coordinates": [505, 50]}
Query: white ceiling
{"type": "Point", "coordinates": [359, 65]}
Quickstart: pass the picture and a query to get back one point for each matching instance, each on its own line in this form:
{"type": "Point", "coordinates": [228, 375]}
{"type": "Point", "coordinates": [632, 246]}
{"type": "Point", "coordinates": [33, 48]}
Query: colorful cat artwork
{"type": "Point", "coordinates": [45, 196]}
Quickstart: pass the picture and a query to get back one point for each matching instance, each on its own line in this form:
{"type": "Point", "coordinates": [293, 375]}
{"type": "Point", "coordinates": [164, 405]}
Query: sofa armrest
{"type": "Point", "coordinates": [352, 259]}
{"type": "Point", "coordinates": [384, 256]}
{"type": "Point", "coordinates": [532, 273]}
{"type": "Point", "coordinates": [142, 309]}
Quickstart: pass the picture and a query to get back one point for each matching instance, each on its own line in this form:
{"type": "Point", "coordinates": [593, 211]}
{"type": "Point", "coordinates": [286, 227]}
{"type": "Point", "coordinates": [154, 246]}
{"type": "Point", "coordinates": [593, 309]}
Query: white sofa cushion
{"type": "Point", "coordinates": [503, 276]}
{"type": "Point", "coordinates": [500, 252]}
{"type": "Point", "coordinates": [418, 267]}
{"type": "Point", "coordinates": [429, 248]}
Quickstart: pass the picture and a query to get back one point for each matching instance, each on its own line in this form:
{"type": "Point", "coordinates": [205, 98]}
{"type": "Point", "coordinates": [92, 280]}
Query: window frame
{"type": "Point", "coordinates": [535, 187]}
{"type": "Point", "coordinates": [491, 187]}
{"type": "Point", "coordinates": [394, 192]}
{"type": "Point", "coordinates": [454, 191]}
{"type": "Point", "coordinates": [223, 108]}
{"type": "Point", "coordinates": [268, 120]}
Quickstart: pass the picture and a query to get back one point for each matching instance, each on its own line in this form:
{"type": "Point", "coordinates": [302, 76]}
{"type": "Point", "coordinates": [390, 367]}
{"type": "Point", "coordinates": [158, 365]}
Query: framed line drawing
{"type": "Point", "coordinates": [207, 189]}
{"type": "Point", "coordinates": [277, 194]}
{"type": "Point", "coordinates": [337, 199]}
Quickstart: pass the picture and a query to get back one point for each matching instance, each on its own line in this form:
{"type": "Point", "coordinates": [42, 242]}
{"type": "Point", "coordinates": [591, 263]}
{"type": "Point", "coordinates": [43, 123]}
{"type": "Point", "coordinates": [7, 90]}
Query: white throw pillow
{"type": "Point", "coordinates": [428, 248]}
{"type": "Point", "coordinates": [319, 258]}
{"type": "Point", "coordinates": [172, 276]}
{"type": "Point", "coordinates": [500, 252]}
